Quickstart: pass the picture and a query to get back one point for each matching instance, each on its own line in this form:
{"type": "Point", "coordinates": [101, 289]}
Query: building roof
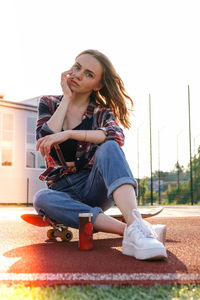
{"type": "Point", "coordinates": [30, 104]}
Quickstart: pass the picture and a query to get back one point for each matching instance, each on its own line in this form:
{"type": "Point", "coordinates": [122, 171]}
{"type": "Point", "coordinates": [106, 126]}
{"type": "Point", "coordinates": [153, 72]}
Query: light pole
{"type": "Point", "coordinates": [191, 174]}
{"type": "Point", "coordinates": [159, 194]}
{"type": "Point", "coordinates": [150, 149]}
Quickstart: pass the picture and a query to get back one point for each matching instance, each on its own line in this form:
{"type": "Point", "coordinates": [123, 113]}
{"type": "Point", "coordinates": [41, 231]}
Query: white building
{"type": "Point", "coordinates": [20, 163]}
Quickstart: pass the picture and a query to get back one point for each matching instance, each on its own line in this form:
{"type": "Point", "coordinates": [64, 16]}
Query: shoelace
{"type": "Point", "coordinates": [140, 230]}
{"type": "Point", "coordinates": [136, 228]}
{"type": "Point", "coordinates": [145, 229]}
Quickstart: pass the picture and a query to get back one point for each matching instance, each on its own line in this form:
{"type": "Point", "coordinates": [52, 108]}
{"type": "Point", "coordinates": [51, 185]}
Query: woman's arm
{"type": "Point", "coordinates": [55, 123]}
{"type": "Point", "coordinates": [91, 136]}
{"type": "Point", "coordinates": [50, 120]}
{"type": "Point", "coordinates": [45, 143]}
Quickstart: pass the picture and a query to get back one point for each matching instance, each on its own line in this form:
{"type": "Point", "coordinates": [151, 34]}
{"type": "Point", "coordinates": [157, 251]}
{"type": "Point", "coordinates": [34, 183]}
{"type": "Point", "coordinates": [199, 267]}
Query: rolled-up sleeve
{"type": "Point", "coordinates": [107, 123]}
{"type": "Point", "coordinates": [44, 114]}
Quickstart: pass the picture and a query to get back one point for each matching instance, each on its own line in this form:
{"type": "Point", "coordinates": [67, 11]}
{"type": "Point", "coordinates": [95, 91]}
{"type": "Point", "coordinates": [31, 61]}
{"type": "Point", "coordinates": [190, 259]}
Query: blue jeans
{"type": "Point", "coordinates": [87, 190]}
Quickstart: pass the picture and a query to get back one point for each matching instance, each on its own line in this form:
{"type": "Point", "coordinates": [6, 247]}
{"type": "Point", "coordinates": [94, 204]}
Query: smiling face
{"type": "Point", "coordinates": [86, 74]}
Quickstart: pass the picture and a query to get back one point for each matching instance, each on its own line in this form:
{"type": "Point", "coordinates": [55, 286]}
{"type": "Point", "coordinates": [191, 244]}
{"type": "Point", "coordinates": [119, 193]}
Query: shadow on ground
{"type": "Point", "coordinates": [106, 257]}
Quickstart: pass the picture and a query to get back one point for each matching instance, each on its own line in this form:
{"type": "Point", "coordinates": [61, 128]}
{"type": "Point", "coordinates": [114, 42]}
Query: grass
{"type": "Point", "coordinates": [167, 292]}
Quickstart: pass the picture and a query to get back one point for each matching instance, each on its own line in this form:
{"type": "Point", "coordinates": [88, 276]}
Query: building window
{"type": "Point", "coordinates": [6, 157]}
{"type": "Point", "coordinates": [33, 158]}
{"type": "Point", "coordinates": [6, 138]}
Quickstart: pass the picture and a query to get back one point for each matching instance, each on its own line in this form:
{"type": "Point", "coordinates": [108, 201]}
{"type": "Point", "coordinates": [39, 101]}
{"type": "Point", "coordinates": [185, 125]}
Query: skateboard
{"type": "Point", "coordinates": [115, 213]}
{"type": "Point", "coordinates": [61, 231]}
{"type": "Point", "coordinates": [58, 230]}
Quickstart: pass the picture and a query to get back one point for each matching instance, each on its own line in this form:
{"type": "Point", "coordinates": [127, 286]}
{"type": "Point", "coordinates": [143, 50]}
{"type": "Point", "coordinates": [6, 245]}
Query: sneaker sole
{"type": "Point", "coordinates": [147, 254]}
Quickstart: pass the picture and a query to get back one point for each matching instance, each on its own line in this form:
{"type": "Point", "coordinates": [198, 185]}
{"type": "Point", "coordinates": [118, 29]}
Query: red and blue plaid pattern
{"type": "Point", "coordinates": [103, 119]}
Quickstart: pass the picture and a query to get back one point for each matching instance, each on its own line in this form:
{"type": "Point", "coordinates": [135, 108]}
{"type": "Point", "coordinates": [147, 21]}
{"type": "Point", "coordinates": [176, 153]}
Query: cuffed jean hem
{"type": "Point", "coordinates": [117, 183]}
{"type": "Point", "coordinates": [95, 211]}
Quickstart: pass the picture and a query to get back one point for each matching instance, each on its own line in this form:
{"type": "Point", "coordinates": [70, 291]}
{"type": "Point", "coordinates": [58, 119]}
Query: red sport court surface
{"type": "Point", "coordinates": [27, 256]}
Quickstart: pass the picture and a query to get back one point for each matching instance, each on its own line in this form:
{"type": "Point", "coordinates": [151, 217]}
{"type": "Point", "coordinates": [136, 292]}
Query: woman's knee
{"type": "Point", "coordinates": [40, 198]}
{"type": "Point", "coordinates": [109, 147]}
{"type": "Point", "coordinates": [110, 151]}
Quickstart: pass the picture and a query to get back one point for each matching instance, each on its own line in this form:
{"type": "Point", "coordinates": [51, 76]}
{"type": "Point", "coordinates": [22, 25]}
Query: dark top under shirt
{"type": "Point", "coordinates": [69, 147]}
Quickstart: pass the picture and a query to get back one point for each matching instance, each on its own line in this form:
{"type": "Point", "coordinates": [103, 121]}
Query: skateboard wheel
{"type": "Point", "coordinates": [66, 236]}
{"type": "Point", "coordinates": [51, 234]}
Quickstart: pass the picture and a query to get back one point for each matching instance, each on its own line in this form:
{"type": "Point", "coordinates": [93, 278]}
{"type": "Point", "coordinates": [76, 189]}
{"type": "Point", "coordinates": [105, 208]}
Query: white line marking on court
{"type": "Point", "coordinates": [98, 277]}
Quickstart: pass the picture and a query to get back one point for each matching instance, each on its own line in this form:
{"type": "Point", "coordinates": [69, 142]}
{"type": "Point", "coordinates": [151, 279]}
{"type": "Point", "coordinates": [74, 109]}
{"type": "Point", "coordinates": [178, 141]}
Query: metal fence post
{"type": "Point", "coordinates": [191, 175]}
{"type": "Point", "coordinates": [150, 149]}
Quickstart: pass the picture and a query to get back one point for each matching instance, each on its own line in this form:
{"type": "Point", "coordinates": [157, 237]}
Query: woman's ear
{"type": "Point", "coordinates": [100, 85]}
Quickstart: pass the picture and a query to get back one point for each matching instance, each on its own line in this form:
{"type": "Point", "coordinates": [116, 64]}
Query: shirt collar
{"type": "Point", "coordinates": [90, 109]}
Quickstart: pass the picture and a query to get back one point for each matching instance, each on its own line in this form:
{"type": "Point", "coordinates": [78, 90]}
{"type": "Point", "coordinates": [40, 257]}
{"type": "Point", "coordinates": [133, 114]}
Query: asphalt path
{"type": "Point", "coordinates": [26, 255]}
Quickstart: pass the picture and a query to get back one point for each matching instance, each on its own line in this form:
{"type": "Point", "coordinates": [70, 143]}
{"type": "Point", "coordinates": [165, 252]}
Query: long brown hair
{"type": "Point", "coordinates": [113, 93]}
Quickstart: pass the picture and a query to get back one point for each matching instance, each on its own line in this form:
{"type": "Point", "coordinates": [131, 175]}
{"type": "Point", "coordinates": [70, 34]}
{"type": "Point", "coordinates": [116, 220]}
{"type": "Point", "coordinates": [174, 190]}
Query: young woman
{"type": "Point", "coordinates": [79, 136]}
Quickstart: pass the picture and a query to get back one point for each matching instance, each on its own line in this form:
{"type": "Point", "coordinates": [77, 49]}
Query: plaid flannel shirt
{"type": "Point", "coordinates": [103, 119]}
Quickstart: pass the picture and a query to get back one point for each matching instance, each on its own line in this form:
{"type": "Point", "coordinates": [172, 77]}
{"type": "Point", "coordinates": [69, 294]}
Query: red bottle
{"type": "Point", "coordinates": [85, 231]}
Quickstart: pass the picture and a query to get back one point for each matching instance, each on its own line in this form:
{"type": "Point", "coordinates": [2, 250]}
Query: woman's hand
{"type": "Point", "coordinates": [67, 92]}
{"type": "Point", "coordinates": [45, 143]}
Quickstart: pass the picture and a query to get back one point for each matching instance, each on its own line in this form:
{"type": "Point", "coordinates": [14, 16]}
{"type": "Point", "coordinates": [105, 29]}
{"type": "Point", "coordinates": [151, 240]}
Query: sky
{"type": "Point", "coordinates": [153, 44]}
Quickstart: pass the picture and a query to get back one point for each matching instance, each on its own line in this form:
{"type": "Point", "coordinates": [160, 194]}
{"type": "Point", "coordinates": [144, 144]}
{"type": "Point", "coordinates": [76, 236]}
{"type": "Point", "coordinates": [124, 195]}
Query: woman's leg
{"type": "Point", "coordinates": [105, 223]}
{"type": "Point", "coordinates": [64, 201]}
{"type": "Point", "coordinates": [139, 239]}
{"type": "Point", "coordinates": [125, 199]}
{"type": "Point", "coordinates": [111, 179]}
{"type": "Point", "coordinates": [61, 207]}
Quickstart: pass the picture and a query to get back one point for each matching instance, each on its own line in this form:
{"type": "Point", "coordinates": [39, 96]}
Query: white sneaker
{"type": "Point", "coordinates": [141, 241]}
{"type": "Point", "coordinates": [159, 230]}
